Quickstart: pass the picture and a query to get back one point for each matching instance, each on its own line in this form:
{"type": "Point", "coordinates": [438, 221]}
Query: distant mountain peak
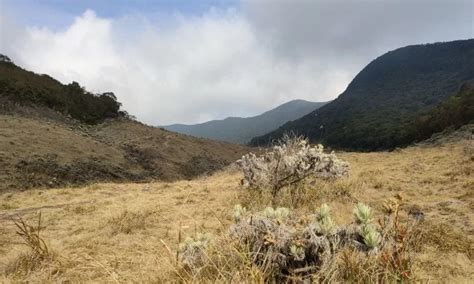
{"type": "Point", "coordinates": [242, 129]}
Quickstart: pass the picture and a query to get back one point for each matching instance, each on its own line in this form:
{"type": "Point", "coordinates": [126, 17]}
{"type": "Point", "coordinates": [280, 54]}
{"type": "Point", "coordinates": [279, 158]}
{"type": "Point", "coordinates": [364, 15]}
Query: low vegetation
{"type": "Point", "coordinates": [273, 246]}
{"type": "Point", "coordinates": [38, 255]}
{"type": "Point", "coordinates": [392, 218]}
{"type": "Point", "coordinates": [287, 165]}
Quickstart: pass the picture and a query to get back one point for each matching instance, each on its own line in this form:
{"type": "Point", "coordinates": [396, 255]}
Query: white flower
{"type": "Point", "coordinates": [291, 160]}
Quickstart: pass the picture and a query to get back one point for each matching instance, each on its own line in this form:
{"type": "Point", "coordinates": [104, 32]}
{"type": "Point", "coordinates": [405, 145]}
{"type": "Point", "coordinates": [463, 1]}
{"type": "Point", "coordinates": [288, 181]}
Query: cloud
{"type": "Point", "coordinates": [227, 62]}
{"type": "Point", "coordinates": [196, 69]}
{"type": "Point", "coordinates": [352, 28]}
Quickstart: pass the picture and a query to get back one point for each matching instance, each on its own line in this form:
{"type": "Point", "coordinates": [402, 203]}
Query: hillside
{"type": "Point", "coordinates": [241, 130]}
{"type": "Point", "coordinates": [26, 88]}
{"type": "Point", "coordinates": [452, 113]}
{"type": "Point", "coordinates": [43, 143]}
{"type": "Point", "coordinates": [380, 105]}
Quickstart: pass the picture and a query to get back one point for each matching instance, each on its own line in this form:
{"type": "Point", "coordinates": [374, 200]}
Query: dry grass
{"type": "Point", "coordinates": [38, 152]}
{"type": "Point", "coordinates": [129, 232]}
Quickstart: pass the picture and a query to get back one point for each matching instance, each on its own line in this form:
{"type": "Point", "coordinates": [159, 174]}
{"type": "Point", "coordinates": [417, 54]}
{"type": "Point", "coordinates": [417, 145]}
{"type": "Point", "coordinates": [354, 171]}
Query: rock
{"type": "Point", "coordinates": [416, 213]}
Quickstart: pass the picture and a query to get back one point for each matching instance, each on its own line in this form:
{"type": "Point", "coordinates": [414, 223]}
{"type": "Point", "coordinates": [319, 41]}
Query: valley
{"type": "Point", "coordinates": [121, 232]}
{"type": "Point", "coordinates": [375, 185]}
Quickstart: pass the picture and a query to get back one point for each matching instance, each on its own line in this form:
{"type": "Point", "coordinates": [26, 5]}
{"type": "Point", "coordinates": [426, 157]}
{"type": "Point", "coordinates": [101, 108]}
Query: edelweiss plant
{"type": "Point", "coordinates": [279, 213]}
{"type": "Point", "coordinates": [371, 236]}
{"type": "Point", "coordinates": [192, 250]}
{"type": "Point", "coordinates": [239, 211]}
{"type": "Point", "coordinates": [324, 223]}
{"type": "Point", "coordinates": [289, 162]}
{"type": "Point", "coordinates": [363, 213]}
{"type": "Point", "coordinates": [363, 216]}
{"type": "Point", "coordinates": [278, 248]}
{"type": "Point", "coordinates": [297, 252]}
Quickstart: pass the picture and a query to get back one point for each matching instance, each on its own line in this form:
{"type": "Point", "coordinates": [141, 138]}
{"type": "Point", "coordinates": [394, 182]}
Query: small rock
{"type": "Point", "coordinates": [416, 213]}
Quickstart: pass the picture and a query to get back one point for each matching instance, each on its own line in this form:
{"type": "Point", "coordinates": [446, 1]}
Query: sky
{"type": "Point", "coordinates": [176, 61]}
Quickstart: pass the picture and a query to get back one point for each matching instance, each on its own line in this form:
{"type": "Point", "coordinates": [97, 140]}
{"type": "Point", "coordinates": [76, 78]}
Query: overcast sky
{"type": "Point", "coordinates": [176, 61]}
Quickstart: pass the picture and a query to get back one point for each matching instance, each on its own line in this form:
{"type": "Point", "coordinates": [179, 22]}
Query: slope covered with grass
{"type": "Point", "coordinates": [56, 135]}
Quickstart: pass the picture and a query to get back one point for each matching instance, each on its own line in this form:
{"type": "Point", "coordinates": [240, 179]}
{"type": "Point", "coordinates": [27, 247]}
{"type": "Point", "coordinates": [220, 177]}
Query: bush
{"type": "Point", "coordinates": [273, 247]}
{"type": "Point", "coordinates": [289, 163]}
{"type": "Point", "coordinates": [192, 250]}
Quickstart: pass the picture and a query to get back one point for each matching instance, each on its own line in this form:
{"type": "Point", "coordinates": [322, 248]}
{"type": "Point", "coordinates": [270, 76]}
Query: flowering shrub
{"type": "Point", "coordinates": [290, 161]}
{"type": "Point", "coordinates": [280, 248]}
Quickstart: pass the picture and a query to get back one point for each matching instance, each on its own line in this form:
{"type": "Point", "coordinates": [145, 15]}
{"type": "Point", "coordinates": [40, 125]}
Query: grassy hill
{"type": "Point", "coordinates": [51, 137]}
{"type": "Point", "coordinates": [380, 105]}
{"type": "Point", "coordinates": [242, 130]}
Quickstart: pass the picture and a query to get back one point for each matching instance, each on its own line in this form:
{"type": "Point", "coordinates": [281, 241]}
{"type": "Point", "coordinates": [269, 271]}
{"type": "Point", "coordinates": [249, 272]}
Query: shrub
{"type": "Point", "coordinates": [191, 251]}
{"type": "Point", "coordinates": [289, 163]}
{"type": "Point", "coordinates": [272, 247]}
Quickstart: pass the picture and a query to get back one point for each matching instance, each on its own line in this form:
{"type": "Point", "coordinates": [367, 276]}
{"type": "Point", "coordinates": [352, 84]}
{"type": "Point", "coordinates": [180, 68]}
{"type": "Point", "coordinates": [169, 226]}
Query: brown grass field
{"type": "Point", "coordinates": [130, 232]}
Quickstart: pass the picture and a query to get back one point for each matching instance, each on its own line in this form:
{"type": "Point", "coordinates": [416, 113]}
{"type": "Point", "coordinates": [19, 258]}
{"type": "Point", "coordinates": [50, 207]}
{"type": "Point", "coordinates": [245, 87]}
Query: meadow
{"type": "Point", "coordinates": [130, 232]}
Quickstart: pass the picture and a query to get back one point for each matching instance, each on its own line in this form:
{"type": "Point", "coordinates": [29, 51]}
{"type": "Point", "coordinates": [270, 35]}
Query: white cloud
{"type": "Point", "coordinates": [195, 69]}
{"type": "Point", "coordinates": [189, 69]}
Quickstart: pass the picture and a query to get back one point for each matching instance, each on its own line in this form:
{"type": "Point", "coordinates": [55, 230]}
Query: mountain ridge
{"type": "Point", "coordinates": [242, 129]}
{"type": "Point", "coordinates": [377, 109]}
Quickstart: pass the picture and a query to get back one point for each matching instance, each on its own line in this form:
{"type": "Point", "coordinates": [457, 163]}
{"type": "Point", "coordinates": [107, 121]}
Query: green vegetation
{"type": "Point", "coordinates": [27, 88]}
{"type": "Point", "coordinates": [454, 112]}
{"type": "Point", "coordinates": [379, 107]}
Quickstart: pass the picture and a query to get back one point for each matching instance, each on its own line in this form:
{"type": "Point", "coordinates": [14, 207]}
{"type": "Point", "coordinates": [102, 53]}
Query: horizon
{"type": "Point", "coordinates": [180, 62]}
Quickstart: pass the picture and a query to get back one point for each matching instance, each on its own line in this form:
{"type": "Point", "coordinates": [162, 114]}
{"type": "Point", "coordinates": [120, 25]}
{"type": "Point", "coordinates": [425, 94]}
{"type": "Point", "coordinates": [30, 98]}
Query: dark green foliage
{"type": "Point", "coordinates": [27, 88]}
{"type": "Point", "coordinates": [454, 112]}
{"type": "Point", "coordinates": [378, 108]}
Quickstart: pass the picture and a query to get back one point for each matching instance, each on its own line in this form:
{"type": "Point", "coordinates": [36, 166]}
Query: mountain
{"type": "Point", "coordinates": [56, 135]}
{"type": "Point", "coordinates": [379, 107]}
{"type": "Point", "coordinates": [241, 130]}
{"type": "Point", "coordinates": [454, 112]}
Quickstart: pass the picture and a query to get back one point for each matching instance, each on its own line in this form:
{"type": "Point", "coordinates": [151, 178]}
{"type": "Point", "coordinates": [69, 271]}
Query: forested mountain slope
{"type": "Point", "coordinates": [381, 104]}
